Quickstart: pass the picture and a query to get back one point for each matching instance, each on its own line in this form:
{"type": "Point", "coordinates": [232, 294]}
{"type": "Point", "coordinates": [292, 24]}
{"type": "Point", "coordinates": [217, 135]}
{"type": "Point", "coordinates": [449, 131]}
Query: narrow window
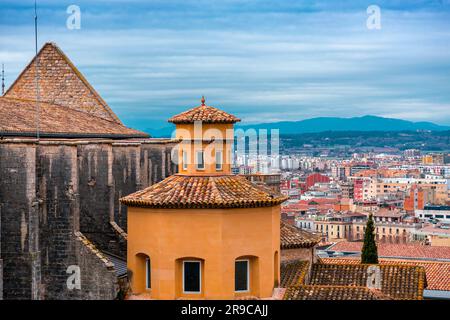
{"type": "Point", "coordinates": [185, 164]}
{"type": "Point", "coordinates": [200, 160]}
{"type": "Point", "coordinates": [148, 278]}
{"type": "Point", "coordinates": [242, 275]}
{"type": "Point", "coordinates": [219, 160]}
{"type": "Point", "coordinates": [191, 276]}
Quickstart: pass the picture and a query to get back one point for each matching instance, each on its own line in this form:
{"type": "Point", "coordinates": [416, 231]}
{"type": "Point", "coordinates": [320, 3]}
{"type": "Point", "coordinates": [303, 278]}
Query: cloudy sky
{"type": "Point", "coordinates": [263, 60]}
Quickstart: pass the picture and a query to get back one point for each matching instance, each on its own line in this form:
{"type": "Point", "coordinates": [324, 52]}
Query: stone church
{"type": "Point", "coordinates": [61, 223]}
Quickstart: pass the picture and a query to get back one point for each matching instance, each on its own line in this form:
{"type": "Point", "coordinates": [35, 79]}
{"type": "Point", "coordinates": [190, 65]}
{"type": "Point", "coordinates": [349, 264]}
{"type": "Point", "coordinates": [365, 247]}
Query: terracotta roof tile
{"type": "Point", "coordinates": [348, 281]}
{"type": "Point", "coordinates": [293, 273]}
{"type": "Point", "coordinates": [180, 191]}
{"type": "Point", "coordinates": [292, 237]}
{"type": "Point", "coordinates": [19, 119]}
{"type": "Point", "coordinates": [307, 292]}
{"type": "Point", "coordinates": [398, 250]}
{"type": "Point", "coordinates": [437, 273]}
{"type": "Point", "coordinates": [397, 281]}
{"type": "Point", "coordinates": [204, 113]}
{"type": "Point", "coordinates": [61, 83]}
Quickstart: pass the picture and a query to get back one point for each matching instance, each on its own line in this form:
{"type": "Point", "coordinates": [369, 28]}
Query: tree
{"type": "Point", "coordinates": [369, 252]}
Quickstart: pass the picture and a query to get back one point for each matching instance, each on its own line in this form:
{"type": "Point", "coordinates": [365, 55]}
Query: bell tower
{"type": "Point", "coordinates": [206, 135]}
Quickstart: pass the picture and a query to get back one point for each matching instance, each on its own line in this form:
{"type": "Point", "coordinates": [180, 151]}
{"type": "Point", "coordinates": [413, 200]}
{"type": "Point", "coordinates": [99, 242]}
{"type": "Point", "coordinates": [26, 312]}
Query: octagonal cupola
{"type": "Point", "coordinates": [206, 135]}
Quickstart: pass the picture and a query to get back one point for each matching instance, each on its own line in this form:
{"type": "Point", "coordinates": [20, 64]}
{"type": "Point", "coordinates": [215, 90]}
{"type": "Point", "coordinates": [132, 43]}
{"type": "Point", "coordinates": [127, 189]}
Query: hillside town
{"type": "Point", "coordinates": [407, 193]}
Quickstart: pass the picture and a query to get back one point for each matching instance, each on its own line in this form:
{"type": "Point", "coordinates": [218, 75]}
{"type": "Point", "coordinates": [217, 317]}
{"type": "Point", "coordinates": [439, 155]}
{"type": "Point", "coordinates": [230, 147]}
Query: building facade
{"type": "Point", "coordinates": [204, 233]}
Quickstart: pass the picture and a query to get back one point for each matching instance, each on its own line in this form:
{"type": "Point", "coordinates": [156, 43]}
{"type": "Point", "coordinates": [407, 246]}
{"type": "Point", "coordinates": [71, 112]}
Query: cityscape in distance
{"type": "Point", "coordinates": [243, 161]}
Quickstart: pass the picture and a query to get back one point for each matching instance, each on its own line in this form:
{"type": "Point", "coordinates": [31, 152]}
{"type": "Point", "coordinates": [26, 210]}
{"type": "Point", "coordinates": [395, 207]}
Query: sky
{"type": "Point", "coordinates": [262, 60]}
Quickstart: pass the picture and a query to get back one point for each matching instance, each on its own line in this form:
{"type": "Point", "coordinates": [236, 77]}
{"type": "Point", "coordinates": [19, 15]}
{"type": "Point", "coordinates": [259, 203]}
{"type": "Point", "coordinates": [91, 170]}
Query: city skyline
{"type": "Point", "coordinates": [264, 62]}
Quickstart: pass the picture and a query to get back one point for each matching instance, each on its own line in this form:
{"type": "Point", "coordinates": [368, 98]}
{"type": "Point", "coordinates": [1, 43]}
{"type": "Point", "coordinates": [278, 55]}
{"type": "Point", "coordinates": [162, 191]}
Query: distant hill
{"type": "Point", "coordinates": [365, 123]}
{"type": "Point", "coordinates": [321, 124]}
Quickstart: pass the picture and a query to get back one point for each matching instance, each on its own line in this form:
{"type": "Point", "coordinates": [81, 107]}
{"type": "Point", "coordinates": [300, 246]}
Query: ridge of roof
{"type": "Point", "coordinates": [79, 75]}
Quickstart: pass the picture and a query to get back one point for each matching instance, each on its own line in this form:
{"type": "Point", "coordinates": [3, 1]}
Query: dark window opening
{"type": "Point", "coordinates": [241, 280]}
{"type": "Point", "coordinates": [191, 276]}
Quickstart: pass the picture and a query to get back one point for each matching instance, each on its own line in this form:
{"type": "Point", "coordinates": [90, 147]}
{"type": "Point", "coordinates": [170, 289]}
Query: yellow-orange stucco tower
{"type": "Point", "coordinates": [204, 233]}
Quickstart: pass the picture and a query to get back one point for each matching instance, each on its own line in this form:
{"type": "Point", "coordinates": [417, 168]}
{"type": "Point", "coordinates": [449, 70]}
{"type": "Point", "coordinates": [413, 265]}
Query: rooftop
{"type": "Point", "coordinates": [348, 281]}
{"type": "Point", "coordinates": [293, 237]}
{"type": "Point", "coordinates": [416, 251]}
{"type": "Point", "coordinates": [19, 119]}
{"type": "Point", "coordinates": [437, 272]}
{"type": "Point", "coordinates": [60, 83]}
{"type": "Point", "coordinates": [204, 113]}
{"type": "Point", "coordinates": [227, 191]}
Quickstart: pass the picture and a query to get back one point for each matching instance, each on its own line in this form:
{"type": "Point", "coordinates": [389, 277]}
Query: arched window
{"type": "Point", "coordinates": [246, 275]}
{"type": "Point", "coordinates": [143, 272]}
{"type": "Point", "coordinates": [189, 276]}
{"type": "Point", "coordinates": [192, 276]}
{"type": "Point", "coordinates": [242, 275]}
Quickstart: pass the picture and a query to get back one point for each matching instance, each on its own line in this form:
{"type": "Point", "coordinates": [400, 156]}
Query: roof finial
{"type": "Point", "coordinates": [203, 101]}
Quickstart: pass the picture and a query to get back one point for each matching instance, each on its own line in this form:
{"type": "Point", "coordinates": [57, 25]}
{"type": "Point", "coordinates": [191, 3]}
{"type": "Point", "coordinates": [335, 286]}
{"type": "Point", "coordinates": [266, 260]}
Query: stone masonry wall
{"type": "Point", "coordinates": [52, 190]}
{"type": "Point", "coordinates": [19, 221]}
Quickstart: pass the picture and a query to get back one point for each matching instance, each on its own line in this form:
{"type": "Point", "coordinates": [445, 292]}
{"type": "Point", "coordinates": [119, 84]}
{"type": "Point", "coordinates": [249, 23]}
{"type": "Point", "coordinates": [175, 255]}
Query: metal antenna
{"type": "Point", "coordinates": [3, 79]}
{"type": "Point", "coordinates": [37, 69]}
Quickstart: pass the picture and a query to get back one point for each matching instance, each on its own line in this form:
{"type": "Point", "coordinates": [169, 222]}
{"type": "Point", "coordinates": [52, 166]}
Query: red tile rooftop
{"type": "Point", "coordinates": [204, 113]}
{"type": "Point", "coordinates": [19, 119]}
{"type": "Point", "coordinates": [397, 250]}
{"type": "Point", "coordinates": [182, 191]}
{"type": "Point", "coordinates": [60, 83]}
{"type": "Point", "coordinates": [437, 273]}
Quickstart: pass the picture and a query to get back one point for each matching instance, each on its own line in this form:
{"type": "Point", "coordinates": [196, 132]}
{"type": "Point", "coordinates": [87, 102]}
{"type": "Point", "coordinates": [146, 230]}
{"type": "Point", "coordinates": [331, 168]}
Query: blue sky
{"type": "Point", "coordinates": [261, 60]}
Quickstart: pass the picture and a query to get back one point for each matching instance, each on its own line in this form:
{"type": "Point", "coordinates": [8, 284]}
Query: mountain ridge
{"type": "Point", "coordinates": [321, 124]}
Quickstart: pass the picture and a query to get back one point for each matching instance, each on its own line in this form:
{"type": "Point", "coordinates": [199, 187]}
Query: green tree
{"type": "Point", "coordinates": [369, 252]}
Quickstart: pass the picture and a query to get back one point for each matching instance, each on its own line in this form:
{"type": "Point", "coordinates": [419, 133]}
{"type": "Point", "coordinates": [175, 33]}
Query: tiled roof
{"type": "Point", "coordinates": [18, 118]}
{"type": "Point", "coordinates": [307, 292]}
{"type": "Point", "coordinates": [180, 191]}
{"type": "Point", "coordinates": [292, 237]}
{"type": "Point", "coordinates": [204, 113]}
{"type": "Point", "coordinates": [397, 281]}
{"type": "Point", "coordinates": [437, 273]}
{"type": "Point", "coordinates": [348, 281]}
{"type": "Point", "coordinates": [60, 83]}
{"type": "Point", "coordinates": [120, 265]}
{"type": "Point", "coordinates": [398, 250]}
{"type": "Point", "coordinates": [293, 273]}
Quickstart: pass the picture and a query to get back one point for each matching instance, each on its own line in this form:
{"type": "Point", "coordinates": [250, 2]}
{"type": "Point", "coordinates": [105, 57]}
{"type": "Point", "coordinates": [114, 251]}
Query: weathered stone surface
{"type": "Point", "coordinates": [52, 190]}
{"type": "Point", "coordinates": [19, 222]}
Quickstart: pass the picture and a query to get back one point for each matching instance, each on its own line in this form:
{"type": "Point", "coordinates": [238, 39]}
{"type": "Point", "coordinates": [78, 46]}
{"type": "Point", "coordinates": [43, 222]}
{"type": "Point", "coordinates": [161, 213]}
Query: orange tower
{"type": "Point", "coordinates": [204, 233]}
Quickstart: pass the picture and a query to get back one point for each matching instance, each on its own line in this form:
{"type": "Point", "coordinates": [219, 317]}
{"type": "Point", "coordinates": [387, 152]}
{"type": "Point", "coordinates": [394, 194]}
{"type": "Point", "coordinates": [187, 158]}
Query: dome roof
{"type": "Point", "coordinates": [204, 113]}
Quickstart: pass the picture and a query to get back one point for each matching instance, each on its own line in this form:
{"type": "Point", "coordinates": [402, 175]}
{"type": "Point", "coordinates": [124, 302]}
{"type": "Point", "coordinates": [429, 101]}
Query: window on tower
{"type": "Point", "coordinates": [185, 160]}
{"type": "Point", "coordinates": [200, 160]}
{"type": "Point", "coordinates": [219, 160]}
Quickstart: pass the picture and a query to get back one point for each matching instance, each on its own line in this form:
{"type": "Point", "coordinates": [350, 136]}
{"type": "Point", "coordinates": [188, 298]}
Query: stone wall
{"type": "Point", "coordinates": [19, 221]}
{"type": "Point", "coordinates": [51, 190]}
{"type": "Point", "coordinates": [307, 254]}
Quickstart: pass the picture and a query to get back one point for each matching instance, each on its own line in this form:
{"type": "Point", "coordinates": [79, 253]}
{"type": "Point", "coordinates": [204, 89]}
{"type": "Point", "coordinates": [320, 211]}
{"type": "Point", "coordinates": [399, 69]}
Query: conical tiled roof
{"type": "Point", "coordinates": [204, 113]}
{"type": "Point", "coordinates": [60, 83]}
{"type": "Point", "coordinates": [181, 191]}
